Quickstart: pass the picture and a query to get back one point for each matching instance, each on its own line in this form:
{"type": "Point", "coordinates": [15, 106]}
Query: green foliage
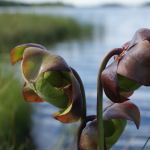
{"type": "Point", "coordinates": [11, 3]}
{"type": "Point", "coordinates": [14, 115]}
{"type": "Point", "coordinates": [16, 29]}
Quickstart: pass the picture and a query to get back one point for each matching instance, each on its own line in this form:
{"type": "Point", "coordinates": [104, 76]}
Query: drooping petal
{"type": "Point", "coordinates": [17, 52]}
{"type": "Point", "coordinates": [135, 64]}
{"type": "Point", "coordinates": [29, 95]}
{"type": "Point", "coordinates": [74, 111]}
{"type": "Point", "coordinates": [36, 61]}
{"type": "Point", "coordinates": [115, 116]}
{"type": "Point", "coordinates": [126, 110]}
{"type": "Point", "coordinates": [139, 36]}
{"type": "Point", "coordinates": [110, 83]}
{"type": "Point", "coordinates": [88, 139]}
{"type": "Point", "coordinates": [81, 127]}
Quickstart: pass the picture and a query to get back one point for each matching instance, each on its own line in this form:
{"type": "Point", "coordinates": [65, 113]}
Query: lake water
{"type": "Point", "coordinates": [112, 28]}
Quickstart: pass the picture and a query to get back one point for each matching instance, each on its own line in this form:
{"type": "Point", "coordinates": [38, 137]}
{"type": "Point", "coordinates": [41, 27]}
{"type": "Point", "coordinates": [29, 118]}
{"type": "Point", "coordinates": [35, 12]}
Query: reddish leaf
{"type": "Point", "coordinates": [29, 95]}
{"type": "Point", "coordinates": [135, 65]}
{"type": "Point", "coordinates": [17, 52]}
{"type": "Point", "coordinates": [126, 110]}
{"type": "Point", "coordinates": [110, 83]}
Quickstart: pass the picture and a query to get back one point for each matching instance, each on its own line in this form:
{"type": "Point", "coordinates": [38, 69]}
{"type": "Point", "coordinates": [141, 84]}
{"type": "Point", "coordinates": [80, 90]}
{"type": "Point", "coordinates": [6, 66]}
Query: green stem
{"type": "Point", "coordinates": [83, 93]}
{"type": "Point", "coordinates": [115, 51]}
{"type": "Point", "coordinates": [145, 143]}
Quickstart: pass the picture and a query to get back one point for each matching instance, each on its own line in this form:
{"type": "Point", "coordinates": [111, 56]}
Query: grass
{"type": "Point", "coordinates": [16, 29]}
{"type": "Point", "coordinates": [15, 112]}
{"type": "Point", "coordinates": [67, 137]}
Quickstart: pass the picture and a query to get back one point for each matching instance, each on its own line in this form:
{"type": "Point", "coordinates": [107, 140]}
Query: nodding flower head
{"type": "Point", "coordinates": [48, 78]}
{"type": "Point", "coordinates": [115, 116]}
{"type": "Point", "coordinates": [130, 70]}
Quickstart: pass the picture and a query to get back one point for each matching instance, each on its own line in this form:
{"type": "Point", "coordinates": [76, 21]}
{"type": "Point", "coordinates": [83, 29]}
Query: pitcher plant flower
{"type": "Point", "coordinates": [115, 116]}
{"type": "Point", "coordinates": [130, 70]}
{"type": "Point", "coordinates": [48, 78]}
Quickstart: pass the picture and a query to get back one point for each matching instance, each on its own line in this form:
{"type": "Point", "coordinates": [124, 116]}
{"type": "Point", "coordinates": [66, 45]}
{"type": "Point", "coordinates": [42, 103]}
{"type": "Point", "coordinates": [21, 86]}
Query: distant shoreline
{"type": "Point", "coordinates": [7, 3]}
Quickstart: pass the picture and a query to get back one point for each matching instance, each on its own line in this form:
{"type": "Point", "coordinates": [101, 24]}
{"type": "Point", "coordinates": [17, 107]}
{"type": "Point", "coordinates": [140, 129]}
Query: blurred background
{"type": "Point", "coordinates": [82, 32]}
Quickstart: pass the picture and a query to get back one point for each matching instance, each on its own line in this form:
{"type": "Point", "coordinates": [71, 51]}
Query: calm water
{"type": "Point", "coordinates": [112, 28]}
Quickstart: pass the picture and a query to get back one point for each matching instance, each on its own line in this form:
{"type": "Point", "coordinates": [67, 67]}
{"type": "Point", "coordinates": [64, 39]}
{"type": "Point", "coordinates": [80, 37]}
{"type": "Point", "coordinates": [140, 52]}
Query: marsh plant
{"type": "Point", "coordinates": [48, 78]}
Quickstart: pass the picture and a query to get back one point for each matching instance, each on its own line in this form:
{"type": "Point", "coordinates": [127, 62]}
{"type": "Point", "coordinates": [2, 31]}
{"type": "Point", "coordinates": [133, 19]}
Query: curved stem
{"type": "Point", "coordinates": [100, 96]}
{"type": "Point", "coordinates": [81, 127]}
{"type": "Point", "coordinates": [83, 93]}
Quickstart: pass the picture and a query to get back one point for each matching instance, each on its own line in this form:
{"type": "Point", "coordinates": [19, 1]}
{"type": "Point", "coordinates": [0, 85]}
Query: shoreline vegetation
{"type": "Point", "coordinates": [15, 115]}
{"type": "Point", "coordinates": [5, 3]}
{"type": "Point", "coordinates": [17, 29]}
{"type": "Point", "coordinates": [11, 3]}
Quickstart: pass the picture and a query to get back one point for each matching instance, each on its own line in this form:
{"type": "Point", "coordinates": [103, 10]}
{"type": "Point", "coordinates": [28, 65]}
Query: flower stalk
{"type": "Point", "coordinates": [116, 51]}
{"type": "Point", "coordinates": [82, 92]}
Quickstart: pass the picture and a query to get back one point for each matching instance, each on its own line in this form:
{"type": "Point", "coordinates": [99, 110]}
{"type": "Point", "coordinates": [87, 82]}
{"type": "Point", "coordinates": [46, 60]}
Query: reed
{"type": "Point", "coordinates": [16, 29]}
{"type": "Point", "coordinates": [15, 112]}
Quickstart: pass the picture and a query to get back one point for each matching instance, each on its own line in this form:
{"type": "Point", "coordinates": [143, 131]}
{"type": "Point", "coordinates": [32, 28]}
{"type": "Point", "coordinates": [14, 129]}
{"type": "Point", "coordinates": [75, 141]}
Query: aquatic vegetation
{"type": "Point", "coordinates": [15, 113]}
{"type": "Point", "coordinates": [17, 29]}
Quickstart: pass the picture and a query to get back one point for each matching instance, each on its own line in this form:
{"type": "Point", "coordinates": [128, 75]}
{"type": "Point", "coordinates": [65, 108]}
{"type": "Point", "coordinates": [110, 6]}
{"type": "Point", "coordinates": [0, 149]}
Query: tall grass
{"type": "Point", "coordinates": [15, 115]}
{"type": "Point", "coordinates": [16, 29]}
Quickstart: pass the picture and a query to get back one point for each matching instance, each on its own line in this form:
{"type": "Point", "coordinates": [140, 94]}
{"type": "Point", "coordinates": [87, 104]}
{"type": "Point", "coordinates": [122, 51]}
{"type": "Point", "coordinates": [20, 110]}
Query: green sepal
{"type": "Point", "coordinates": [50, 94]}
{"type": "Point", "coordinates": [120, 125]}
{"type": "Point", "coordinates": [126, 84]}
{"type": "Point", "coordinates": [54, 78]}
{"type": "Point", "coordinates": [109, 128]}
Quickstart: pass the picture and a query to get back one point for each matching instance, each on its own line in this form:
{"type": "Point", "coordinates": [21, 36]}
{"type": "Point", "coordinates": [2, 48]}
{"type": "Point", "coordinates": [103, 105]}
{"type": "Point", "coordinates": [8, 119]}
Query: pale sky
{"type": "Point", "coordinates": [90, 2]}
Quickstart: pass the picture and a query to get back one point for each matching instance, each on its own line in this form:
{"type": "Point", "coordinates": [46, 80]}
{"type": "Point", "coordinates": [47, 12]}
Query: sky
{"type": "Point", "coordinates": [90, 2]}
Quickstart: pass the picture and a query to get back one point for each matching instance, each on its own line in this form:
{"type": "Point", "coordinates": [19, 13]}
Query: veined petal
{"type": "Point", "coordinates": [88, 140]}
{"type": "Point", "coordinates": [139, 36]}
{"type": "Point", "coordinates": [74, 111]}
{"type": "Point", "coordinates": [126, 110]}
{"type": "Point", "coordinates": [17, 52]}
{"type": "Point", "coordinates": [110, 83]}
{"type": "Point", "coordinates": [135, 64]}
{"type": "Point", "coordinates": [29, 95]}
{"type": "Point", "coordinates": [36, 61]}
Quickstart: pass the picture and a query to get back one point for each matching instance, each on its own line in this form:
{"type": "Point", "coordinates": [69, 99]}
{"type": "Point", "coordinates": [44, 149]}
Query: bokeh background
{"type": "Point", "coordinates": [82, 32]}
